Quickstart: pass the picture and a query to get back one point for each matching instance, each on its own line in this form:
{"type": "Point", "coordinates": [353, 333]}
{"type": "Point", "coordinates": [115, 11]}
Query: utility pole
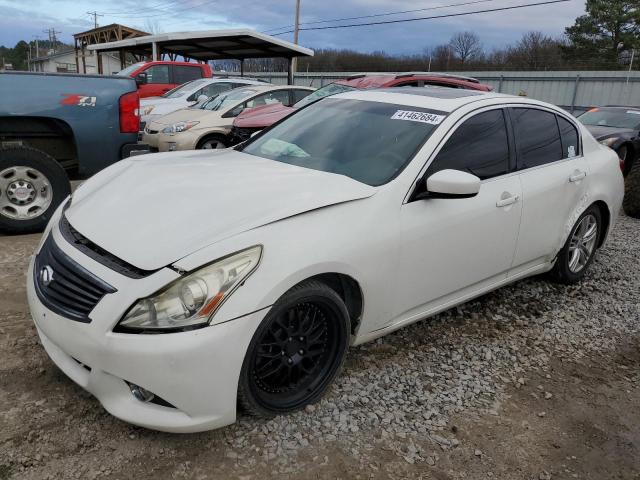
{"type": "Point", "coordinates": [53, 39]}
{"type": "Point", "coordinates": [296, 28]}
{"type": "Point", "coordinates": [633, 54]}
{"type": "Point", "coordinates": [95, 16]}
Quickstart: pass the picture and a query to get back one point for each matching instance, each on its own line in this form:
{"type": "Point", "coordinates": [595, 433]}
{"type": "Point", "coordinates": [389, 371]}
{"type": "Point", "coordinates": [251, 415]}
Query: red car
{"type": "Point", "coordinates": [255, 119]}
{"type": "Point", "coordinates": [157, 78]}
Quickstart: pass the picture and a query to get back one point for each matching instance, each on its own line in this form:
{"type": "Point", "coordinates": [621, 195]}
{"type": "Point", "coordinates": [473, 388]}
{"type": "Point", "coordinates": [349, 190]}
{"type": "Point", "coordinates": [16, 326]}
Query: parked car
{"type": "Point", "coordinates": [158, 77]}
{"type": "Point", "coordinates": [53, 125]}
{"type": "Point", "coordinates": [187, 95]}
{"type": "Point", "coordinates": [204, 279]}
{"type": "Point", "coordinates": [254, 120]}
{"type": "Point", "coordinates": [619, 128]}
{"type": "Point", "coordinates": [208, 125]}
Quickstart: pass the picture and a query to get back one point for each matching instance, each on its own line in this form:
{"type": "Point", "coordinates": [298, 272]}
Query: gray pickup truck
{"type": "Point", "coordinates": [57, 126]}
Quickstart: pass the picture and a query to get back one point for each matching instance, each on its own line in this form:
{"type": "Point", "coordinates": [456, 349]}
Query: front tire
{"type": "Point", "coordinates": [32, 185]}
{"type": "Point", "coordinates": [296, 352]}
{"type": "Point", "coordinates": [212, 142]}
{"type": "Point", "coordinates": [631, 202]}
{"type": "Point", "coordinates": [577, 253]}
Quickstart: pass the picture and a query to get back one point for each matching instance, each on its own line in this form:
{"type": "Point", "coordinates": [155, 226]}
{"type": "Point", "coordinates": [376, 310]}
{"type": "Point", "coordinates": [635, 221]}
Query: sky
{"type": "Point", "coordinates": [22, 20]}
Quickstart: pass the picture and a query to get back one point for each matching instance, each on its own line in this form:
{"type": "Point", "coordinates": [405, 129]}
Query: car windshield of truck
{"type": "Point", "coordinates": [618, 118]}
{"type": "Point", "coordinates": [371, 142]}
{"type": "Point", "coordinates": [130, 69]}
{"type": "Point", "coordinates": [322, 92]}
{"type": "Point", "coordinates": [227, 99]}
{"type": "Point", "coordinates": [184, 89]}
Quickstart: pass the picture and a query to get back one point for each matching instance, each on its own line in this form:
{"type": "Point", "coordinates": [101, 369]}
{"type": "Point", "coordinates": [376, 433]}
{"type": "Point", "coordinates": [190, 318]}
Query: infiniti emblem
{"type": "Point", "coordinates": [46, 275]}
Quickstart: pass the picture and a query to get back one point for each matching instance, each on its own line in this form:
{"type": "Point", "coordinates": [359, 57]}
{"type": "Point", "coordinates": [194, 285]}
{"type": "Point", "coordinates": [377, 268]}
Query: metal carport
{"type": "Point", "coordinates": [203, 45]}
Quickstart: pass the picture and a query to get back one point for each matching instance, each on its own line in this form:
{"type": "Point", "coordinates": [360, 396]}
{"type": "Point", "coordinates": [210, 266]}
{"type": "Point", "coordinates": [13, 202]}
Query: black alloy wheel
{"type": "Point", "coordinates": [296, 352]}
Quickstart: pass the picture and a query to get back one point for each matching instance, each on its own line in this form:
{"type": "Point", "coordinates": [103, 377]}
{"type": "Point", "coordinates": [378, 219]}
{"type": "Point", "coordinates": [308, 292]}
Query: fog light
{"type": "Point", "coordinates": [140, 393]}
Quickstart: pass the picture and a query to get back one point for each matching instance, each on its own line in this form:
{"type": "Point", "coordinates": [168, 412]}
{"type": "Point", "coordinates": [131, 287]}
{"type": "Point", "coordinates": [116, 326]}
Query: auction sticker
{"type": "Point", "coordinates": [421, 117]}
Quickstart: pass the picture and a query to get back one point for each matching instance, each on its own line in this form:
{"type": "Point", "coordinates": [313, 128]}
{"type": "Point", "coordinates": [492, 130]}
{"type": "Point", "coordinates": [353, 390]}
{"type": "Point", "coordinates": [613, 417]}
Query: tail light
{"type": "Point", "coordinates": [130, 112]}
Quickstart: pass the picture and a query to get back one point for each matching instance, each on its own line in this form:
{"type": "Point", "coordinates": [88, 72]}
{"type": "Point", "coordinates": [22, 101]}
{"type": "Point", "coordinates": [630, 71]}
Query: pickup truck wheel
{"type": "Point", "coordinates": [631, 202]}
{"type": "Point", "coordinates": [32, 185]}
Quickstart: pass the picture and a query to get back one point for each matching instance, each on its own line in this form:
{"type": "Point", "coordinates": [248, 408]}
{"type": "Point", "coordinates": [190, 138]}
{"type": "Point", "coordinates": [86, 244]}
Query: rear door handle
{"type": "Point", "coordinates": [576, 177]}
{"type": "Point", "coordinates": [503, 202]}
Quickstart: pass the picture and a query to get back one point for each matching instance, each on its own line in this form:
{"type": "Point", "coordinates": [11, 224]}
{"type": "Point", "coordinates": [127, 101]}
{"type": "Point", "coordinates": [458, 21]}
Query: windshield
{"type": "Point", "coordinates": [322, 92]}
{"type": "Point", "coordinates": [130, 69]}
{"type": "Point", "coordinates": [370, 142]}
{"type": "Point", "coordinates": [619, 118]}
{"type": "Point", "coordinates": [227, 99]}
{"type": "Point", "coordinates": [182, 90]}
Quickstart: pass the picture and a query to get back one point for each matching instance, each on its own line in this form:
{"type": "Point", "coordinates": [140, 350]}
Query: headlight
{"type": "Point", "coordinates": [193, 299]}
{"type": "Point", "coordinates": [148, 109]}
{"type": "Point", "coordinates": [608, 142]}
{"type": "Point", "coordinates": [179, 127]}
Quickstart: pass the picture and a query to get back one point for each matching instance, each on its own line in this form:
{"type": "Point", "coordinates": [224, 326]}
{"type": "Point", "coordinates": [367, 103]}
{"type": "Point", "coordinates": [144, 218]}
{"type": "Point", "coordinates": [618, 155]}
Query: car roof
{"type": "Point", "coordinates": [435, 98]}
{"type": "Point", "coordinates": [366, 81]}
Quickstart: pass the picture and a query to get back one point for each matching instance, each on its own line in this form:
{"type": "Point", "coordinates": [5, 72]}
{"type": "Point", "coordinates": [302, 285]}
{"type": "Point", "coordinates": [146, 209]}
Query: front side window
{"type": "Point", "coordinates": [569, 136]}
{"type": "Point", "coordinates": [480, 146]}
{"type": "Point", "coordinates": [537, 137]}
{"type": "Point", "coordinates": [157, 74]}
{"type": "Point", "coordinates": [370, 142]}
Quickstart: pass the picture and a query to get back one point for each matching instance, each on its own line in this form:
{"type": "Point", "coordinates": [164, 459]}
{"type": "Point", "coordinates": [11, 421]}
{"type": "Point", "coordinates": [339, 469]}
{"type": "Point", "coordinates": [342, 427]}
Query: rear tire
{"type": "Point", "coordinates": [580, 248]}
{"type": "Point", "coordinates": [296, 352]}
{"type": "Point", "coordinates": [631, 202]}
{"type": "Point", "coordinates": [32, 186]}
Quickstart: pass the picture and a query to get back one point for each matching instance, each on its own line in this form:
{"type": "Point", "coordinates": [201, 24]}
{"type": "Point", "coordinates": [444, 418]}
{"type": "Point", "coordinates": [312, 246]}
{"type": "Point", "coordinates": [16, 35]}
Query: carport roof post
{"type": "Point", "coordinates": [204, 45]}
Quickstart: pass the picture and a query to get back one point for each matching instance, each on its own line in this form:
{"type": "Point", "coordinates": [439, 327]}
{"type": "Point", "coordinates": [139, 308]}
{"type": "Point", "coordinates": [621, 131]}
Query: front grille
{"type": "Point", "coordinates": [64, 286]}
{"type": "Point", "coordinates": [239, 135]}
{"type": "Point", "coordinates": [98, 253]}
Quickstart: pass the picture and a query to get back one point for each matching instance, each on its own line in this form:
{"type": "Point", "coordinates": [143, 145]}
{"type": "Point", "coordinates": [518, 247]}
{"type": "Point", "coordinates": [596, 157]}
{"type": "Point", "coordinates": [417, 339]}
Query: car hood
{"type": "Point", "coordinates": [600, 132]}
{"type": "Point", "coordinates": [262, 116]}
{"type": "Point", "coordinates": [156, 209]}
{"type": "Point", "coordinates": [184, 115]}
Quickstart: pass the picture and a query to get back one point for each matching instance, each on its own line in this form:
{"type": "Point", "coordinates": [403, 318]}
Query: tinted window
{"type": "Point", "coordinates": [157, 74]}
{"type": "Point", "coordinates": [183, 73]}
{"type": "Point", "coordinates": [479, 146]}
{"type": "Point", "coordinates": [370, 142]}
{"type": "Point", "coordinates": [569, 135]}
{"type": "Point", "coordinates": [537, 137]}
{"type": "Point", "coordinates": [299, 95]}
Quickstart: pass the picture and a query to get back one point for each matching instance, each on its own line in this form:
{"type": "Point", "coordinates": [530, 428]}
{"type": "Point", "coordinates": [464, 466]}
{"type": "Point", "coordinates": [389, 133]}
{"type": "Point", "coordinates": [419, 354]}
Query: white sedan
{"type": "Point", "coordinates": [188, 94]}
{"type": "Point", "coordinates": [175, 286]}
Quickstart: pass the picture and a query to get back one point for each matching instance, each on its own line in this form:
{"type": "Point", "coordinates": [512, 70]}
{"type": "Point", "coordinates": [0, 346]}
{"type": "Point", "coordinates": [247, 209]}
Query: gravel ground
{"type": "Point", "coordinates": [534, 381]}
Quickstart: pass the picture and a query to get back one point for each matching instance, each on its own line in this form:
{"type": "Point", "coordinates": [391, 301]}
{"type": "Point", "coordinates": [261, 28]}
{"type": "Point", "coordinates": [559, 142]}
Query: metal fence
{"type": "Point", "coordinates": [575, 91]}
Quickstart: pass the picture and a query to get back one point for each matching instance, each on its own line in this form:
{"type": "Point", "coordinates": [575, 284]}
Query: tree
{"type": "Point", "coordinates": [466, 46]}
{"type": "Point", "coordinates": [608, 28]}
{"type": "Point", "coordinates": [535, 51]}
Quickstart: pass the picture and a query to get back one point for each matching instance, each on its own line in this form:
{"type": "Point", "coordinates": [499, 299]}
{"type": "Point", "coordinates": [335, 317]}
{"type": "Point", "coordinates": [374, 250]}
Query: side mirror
{"type": "Point", "coordinates": [452, 184]}
{"type": "Point", "coordinates": [141, 78]}
{"type": "Point", "coordinates": [202, 98]}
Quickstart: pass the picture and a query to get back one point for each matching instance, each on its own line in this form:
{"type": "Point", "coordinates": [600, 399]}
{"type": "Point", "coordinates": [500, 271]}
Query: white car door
{"type": "Point", "coordinates": [452, 247]}
{"type": "Point", "coordinates": [554, 177]}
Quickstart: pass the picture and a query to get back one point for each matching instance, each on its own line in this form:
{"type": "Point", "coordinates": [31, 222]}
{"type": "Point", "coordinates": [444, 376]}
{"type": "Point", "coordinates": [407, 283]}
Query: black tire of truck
{"type": "Point", "coordinates": [32, 184]}
{"type": "Point", "coordinates": [631, 202]}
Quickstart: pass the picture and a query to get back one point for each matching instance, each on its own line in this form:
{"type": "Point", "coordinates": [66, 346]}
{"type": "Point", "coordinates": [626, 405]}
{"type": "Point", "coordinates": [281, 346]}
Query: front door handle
{"type": "Point", "coordinates": [503, 202]}
{"type": "Point", "coordinates": [577, 176]}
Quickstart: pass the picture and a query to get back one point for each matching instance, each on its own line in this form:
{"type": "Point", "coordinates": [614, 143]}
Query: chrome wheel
{"type": "Point", "coordinates": [25, 193]}
{"type": "Point", "coordinates": [583, 242]}
{"type": "Point", "coordinates": [213, 144]}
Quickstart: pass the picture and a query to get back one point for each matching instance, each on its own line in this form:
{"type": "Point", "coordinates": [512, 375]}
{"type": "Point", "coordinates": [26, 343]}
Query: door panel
{"type": "Point", "coordinates": [450, 247]}
{"type": "Point", "coordinates": [158, 81]}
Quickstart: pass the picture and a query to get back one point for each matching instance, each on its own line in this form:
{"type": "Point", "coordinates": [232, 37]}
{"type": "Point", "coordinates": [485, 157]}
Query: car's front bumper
{"type": "Point", "coordinates": [196, 372]}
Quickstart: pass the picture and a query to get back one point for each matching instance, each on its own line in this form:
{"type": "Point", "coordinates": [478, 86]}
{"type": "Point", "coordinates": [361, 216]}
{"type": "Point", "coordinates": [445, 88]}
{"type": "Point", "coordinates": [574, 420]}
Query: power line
{"type": "Point", "coordinates": [95, 16]}
{"type": "Point", "coordinates": [154, 7]}
{"type": "Point", "coordinates": [164, 12]}
{"type": "Point", "coordinates": [437, 7]}
{"type": "Point", "coordinates": [386, 22]}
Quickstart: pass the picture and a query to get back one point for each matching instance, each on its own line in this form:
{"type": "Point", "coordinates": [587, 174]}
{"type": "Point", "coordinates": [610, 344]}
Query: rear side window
{"type": "Point", "coordinates": [569, 136]}
{"type": "Point", "coordinates": [182, 73]}
{"type": "Point", "coordinates": [479, 146]}
{"type": "Point", "coordinates": [157, 74]}
{"type": "Point", "coordinates": [537, 137]}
